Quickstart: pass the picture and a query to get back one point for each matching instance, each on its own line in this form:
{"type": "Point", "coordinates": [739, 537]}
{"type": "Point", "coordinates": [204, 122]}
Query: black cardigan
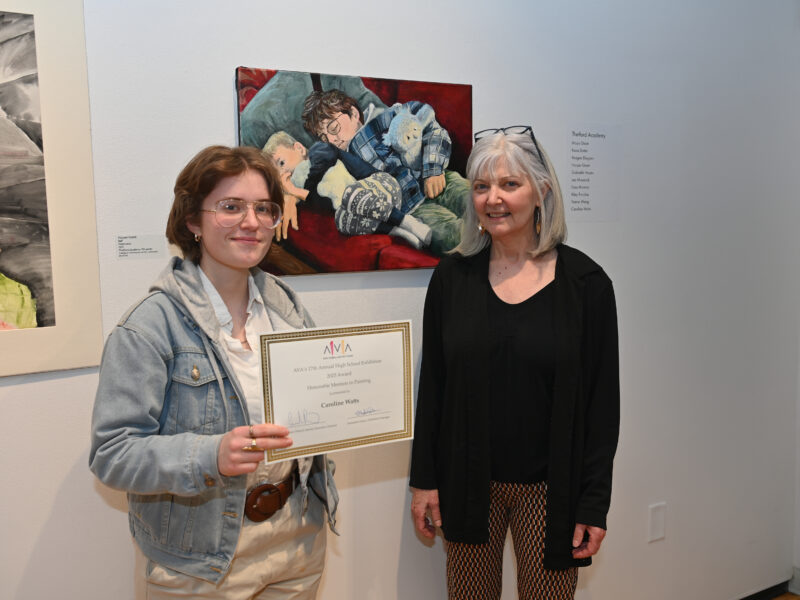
{"type": "Point", "coordinates": [451, 437]}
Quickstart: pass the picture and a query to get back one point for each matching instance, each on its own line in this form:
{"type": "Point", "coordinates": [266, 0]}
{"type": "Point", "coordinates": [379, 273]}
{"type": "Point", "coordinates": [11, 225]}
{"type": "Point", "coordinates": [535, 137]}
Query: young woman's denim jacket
{"type": "Point", "coordinates": [166, 396]}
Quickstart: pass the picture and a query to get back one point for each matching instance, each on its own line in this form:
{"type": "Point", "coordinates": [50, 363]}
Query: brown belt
{"type": "Point", "coordinates": [266, 499]}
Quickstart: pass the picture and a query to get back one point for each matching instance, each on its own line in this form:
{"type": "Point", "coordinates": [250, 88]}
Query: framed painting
{"type": "Point", "coordinates": [372, 169]}
{"type": "Point", "coordinates": [49, 284]}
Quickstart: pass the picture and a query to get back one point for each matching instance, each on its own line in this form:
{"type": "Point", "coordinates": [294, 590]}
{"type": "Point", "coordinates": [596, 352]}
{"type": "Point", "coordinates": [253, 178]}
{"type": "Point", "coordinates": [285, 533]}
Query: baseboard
{"type": "Point", "coordinates": [769, 593]}
{"type": "Point", "coordinates": [794, 582]}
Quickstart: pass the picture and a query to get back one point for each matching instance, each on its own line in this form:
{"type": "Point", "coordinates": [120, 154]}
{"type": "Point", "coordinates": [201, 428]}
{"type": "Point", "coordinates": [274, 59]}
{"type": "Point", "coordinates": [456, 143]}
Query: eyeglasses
{"type": "Point", "coordinates": [332, 128]}
{"type": "Point", "coordinates": [232, 211]}
{"type": "Point", "coordinates": [514, 130]}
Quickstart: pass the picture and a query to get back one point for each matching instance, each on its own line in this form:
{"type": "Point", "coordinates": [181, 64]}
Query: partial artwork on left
{"type": "Point", "coordinates": [26, 274]}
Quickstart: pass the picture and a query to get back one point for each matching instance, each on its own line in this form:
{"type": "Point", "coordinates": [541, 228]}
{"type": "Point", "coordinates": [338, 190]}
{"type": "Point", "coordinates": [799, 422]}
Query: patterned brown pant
{"type": "Point", "coordinates": [474, 571]}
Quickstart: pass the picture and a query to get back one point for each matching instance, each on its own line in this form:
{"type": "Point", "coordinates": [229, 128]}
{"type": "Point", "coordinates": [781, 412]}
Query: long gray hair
{"type": "Point", "coordinates": [519, 155]}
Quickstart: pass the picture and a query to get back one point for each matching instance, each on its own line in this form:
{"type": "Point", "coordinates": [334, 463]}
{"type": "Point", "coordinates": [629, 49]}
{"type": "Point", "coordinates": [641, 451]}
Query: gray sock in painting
{"type": "Point", "coordinates": [418, 228]}
{"type": "Point", "coordinates": [409, 237]}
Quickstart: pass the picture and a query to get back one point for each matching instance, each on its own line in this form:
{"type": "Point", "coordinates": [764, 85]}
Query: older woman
{"type": "Point", "coordinates": [518, 409]}
{"type": "Point", "coordinates": [178, 419]}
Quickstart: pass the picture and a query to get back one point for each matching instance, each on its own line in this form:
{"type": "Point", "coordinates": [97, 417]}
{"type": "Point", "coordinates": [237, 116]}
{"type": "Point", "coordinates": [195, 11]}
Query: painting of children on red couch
{"type": "Point", "coordinates": [372, 169]}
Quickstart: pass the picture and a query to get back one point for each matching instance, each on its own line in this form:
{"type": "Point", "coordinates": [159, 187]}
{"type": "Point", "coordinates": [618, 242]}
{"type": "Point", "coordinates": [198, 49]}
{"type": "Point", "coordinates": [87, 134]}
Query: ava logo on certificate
{"type": "Point", "coordinates": [338, 388]}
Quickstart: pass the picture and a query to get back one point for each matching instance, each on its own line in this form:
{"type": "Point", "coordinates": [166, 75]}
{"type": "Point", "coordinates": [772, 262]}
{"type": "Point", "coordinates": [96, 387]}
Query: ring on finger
{"type": "Point", "coordinates": [252, 435]}
{"type": "Point", "coordinates": [253, 447]}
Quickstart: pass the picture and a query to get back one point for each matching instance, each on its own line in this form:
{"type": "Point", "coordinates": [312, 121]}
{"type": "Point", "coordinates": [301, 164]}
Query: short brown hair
{"type": "Point", "coordinates": [320, 106]}
{"type": "Point", "coordinates": [199, 178]}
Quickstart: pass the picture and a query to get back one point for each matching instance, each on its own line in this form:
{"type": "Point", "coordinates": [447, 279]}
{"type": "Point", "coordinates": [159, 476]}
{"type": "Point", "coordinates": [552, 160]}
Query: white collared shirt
{"type": "Point", "coordinates": [247, 363]}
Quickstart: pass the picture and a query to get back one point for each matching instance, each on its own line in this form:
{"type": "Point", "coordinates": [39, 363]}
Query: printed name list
{"type": "Point", "coordinates": [590, 194]}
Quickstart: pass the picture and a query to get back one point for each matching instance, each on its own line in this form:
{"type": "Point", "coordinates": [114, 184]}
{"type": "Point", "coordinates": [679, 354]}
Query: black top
{"type": "Point", "coordinates": [521, 369]}
{"type": "Point", "coordinates": [451, 438]}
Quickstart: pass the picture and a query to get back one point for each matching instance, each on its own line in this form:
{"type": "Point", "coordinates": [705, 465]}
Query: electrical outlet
{"type": "Point", "coordinates": [657, 522]}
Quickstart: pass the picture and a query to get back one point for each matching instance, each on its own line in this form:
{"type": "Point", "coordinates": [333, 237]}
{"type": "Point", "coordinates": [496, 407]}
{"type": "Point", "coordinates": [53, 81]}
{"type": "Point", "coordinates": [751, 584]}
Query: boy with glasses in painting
{"type": "Point", "coordinates": [364, 200]}
{"type": "Point", "coordinates": [436, 196]}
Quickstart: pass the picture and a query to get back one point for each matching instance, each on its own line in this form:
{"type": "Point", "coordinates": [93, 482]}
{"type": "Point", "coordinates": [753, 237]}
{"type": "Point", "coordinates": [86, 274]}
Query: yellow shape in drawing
{"type": "Point", "coordinates": [17, 306]}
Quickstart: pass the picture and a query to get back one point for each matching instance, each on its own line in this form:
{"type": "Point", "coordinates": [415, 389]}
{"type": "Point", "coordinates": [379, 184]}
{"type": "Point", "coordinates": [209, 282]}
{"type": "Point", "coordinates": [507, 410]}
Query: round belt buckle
{"type": "Point", "coordinates": [263, 501]}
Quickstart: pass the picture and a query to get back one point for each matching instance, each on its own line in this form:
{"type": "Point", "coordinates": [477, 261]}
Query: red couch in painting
{"type": "Point", "coordinates": [318, 246]}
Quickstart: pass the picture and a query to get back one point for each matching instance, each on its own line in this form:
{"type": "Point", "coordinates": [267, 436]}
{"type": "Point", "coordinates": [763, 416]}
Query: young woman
{"type": "Point", "coordinates": [178, 418]}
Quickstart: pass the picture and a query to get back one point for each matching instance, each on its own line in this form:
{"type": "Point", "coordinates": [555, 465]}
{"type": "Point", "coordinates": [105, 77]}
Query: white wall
{"type": "Point", "coordinates": [703, 96]}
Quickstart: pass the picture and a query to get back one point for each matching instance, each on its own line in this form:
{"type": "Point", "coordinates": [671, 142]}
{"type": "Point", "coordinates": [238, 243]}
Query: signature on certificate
{"type": "Point", "coordinates": [302, 417]}
{"type": "Point", "coordinates": [362, 412]}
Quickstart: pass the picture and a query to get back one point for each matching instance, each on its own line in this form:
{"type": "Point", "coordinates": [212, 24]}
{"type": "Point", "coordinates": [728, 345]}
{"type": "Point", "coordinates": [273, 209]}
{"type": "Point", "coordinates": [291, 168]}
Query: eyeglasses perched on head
{"type": "Point", "coordinates": [513, 129]}
{"type": "Point", "coordinates": [229, 212]}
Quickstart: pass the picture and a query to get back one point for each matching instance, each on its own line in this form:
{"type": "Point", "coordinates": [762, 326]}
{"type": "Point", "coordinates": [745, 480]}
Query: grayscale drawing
{"type": "Point", "coordinates": [26, 278]}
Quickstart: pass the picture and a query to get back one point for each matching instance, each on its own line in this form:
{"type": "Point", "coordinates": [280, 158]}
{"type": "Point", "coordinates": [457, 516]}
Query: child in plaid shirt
{"type": "Point", "coordinates": [437, 197]}
{"type": "Point", "coordinates": [364, 200]}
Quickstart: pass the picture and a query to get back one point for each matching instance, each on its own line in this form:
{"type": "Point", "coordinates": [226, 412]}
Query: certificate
{"type": "Point", "coordinates": [338, 388]}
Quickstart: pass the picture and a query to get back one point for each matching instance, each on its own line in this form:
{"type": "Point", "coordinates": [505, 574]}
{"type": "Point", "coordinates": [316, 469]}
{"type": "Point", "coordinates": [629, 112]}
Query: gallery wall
{"type": "Point", "coordinates": [699, 104]}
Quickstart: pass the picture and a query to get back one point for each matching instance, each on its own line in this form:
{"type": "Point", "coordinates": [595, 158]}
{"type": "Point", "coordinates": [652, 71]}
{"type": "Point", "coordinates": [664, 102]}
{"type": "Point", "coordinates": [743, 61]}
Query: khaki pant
{"type": "Point", "coordinates": [278, 559]}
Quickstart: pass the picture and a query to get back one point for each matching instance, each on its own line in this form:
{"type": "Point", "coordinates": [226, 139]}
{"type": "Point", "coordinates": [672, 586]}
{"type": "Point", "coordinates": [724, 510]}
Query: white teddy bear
{"type": "Point", "coordinates": [404, 135]}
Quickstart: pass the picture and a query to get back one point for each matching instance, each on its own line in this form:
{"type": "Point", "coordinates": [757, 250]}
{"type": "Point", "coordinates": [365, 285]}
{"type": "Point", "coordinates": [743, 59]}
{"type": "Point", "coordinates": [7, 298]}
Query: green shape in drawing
{"type": "Point", "coordinates": [17, 306]}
